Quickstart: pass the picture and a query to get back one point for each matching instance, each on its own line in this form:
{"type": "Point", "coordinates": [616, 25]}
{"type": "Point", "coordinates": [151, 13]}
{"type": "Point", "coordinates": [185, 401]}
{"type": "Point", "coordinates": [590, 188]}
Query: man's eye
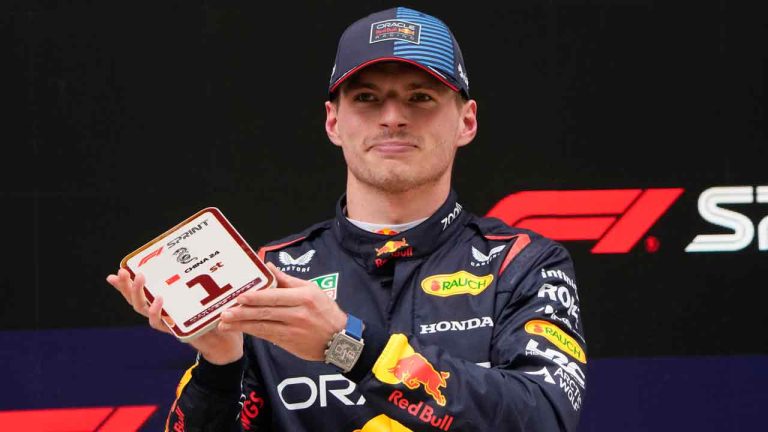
{"type": "Point", "coordinates": [365, 97]}
{"type": "Point", "coordinates": [421, 97]}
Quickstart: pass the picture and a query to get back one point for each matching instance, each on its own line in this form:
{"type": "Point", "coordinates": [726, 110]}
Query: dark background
{"type": "Point", "coordinates": [123, 118]}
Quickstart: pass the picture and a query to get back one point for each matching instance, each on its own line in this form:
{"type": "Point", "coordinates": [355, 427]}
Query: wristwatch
{"type": "Point", "coordinates": [345, 346]}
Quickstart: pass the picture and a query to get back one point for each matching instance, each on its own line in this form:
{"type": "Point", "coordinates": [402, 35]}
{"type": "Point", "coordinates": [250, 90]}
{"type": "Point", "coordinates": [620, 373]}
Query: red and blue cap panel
{"type": "Point", "coordinates": [401, 34]}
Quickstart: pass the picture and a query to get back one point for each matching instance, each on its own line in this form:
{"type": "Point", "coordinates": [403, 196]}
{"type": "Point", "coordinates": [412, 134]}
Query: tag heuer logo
{"type": "Point", "coordinates": [328, 283]}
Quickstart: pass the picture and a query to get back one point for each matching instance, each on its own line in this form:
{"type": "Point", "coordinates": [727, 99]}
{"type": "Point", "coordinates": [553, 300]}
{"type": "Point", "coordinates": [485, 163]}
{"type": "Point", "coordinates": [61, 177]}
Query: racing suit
{"type": "Point", "coordinates": [469, 325]}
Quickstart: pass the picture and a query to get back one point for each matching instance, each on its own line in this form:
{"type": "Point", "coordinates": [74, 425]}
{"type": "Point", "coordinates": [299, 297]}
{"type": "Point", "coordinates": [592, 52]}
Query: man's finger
{"type": "Point", "coordinates": [284, 280]}
{"type": "Point", "coordinates": [285, 314]}
{"type": "Point", "coordinates": [274, 297]}
{"type": "Point", "coordinates": [124, 284]}
{"type": "Point", "coordinates": [114, 280]}
{"type": "Point", "coordinates": [272, 331]}
{"type": "Point", "coordinates": [154, 312]}
{"type": "Point", "coordinates": [138, 300]}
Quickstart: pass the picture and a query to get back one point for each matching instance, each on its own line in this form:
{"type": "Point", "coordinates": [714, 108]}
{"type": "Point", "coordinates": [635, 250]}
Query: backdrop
{"type": "Point", "coordinates": [636, 132]}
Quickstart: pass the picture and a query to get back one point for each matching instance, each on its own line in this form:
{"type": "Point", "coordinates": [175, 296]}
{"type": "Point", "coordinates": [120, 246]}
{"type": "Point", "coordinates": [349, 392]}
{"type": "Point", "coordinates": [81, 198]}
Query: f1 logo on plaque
{"type": "Point", "coordinates": [199, 267]}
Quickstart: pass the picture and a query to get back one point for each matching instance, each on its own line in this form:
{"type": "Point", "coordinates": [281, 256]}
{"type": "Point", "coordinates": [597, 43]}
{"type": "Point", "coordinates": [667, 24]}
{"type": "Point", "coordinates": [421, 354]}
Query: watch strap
{"type": "Point", "coordinates": [354, 327]}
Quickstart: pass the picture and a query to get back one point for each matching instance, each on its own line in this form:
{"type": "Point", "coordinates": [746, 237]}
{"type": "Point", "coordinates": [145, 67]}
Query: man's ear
{"type": "Point", "coordinates": [467, 123]}
{"type": "Point", "coordinates": [331, 122]}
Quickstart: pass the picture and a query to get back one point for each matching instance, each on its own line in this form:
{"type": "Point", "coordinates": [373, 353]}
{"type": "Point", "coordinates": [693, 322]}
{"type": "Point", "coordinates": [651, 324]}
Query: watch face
{"type": "Point", "coordinates": [344, 351]}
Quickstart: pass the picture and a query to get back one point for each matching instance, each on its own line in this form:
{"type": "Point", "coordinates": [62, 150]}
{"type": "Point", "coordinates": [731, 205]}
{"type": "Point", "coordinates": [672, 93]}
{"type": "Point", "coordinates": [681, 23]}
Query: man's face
{"type": "Point", "coordinates": [399, 127]}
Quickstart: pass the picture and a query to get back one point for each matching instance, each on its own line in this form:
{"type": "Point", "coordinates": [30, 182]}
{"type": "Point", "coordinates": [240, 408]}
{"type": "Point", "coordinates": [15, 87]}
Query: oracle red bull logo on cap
{"type": "Point", "coordinates": [395, 29]}
{"type": "Point", "coordinates": [400, 364]}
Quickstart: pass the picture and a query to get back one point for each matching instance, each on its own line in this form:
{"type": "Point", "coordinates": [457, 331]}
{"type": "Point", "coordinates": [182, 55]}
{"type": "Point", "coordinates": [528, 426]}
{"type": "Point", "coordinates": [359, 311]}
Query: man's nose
{"type": "Point", "coordinates": [393, 114]}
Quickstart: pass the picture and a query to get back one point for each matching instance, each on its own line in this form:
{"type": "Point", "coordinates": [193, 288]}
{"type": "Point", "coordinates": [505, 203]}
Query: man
{"type": "Point", "coordinates": [404, 312]}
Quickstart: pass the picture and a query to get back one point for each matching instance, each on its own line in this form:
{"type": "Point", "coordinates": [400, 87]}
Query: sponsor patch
{"type": "Point", "coordinates": [462, 282]}
{"type": "Point", "coordinates": [328, 283]}
{"type": "Point", "coordinates": [570, 389]}
{"type": "Point", "coordinates": [302, 392]}
{"type": "Point", "coordinates": [481, 259]}
{"type": "Point", "coordinates": [561, 294]}
{"type": "Point", "coordinates": [565, 381]}
{"type": "Point", "coordinates": [452, 215]}
{"type": "Point", "coordinates": [395, 29]}
{"type": "Point", "coordinates": [400, 363]}
{"type": "Point", "coordinates": [419, 410]}
{"type": "Point", "coordinates": [391, 246]}
{"type": "Point", "coordinates": [560, 359]}
{"type": "Point", "coordinates": [559, 274]}
{"type": "Point", "coordinates": [291, 264]}
{"type": "Point", "coordinates": [559, 338]}
{"type": "Point", "coordinates": [444, 326]}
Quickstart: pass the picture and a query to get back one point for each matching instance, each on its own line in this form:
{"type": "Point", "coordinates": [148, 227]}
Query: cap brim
{"type": "Point", "coordinates": [397, 59]}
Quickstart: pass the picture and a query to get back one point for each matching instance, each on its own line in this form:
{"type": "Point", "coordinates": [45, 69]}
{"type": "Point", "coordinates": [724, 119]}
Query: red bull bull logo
{"type": "Point", "coordinates": [415, 371]}
{"type": "Point", "coordinates": [400, 364]}
{"type": "Point", "coordinates": [391, 246]}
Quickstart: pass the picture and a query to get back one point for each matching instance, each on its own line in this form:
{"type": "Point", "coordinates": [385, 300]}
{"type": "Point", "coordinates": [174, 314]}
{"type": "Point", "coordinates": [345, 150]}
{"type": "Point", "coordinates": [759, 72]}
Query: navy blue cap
{"type": "Point", "coordinates": [401, 34]}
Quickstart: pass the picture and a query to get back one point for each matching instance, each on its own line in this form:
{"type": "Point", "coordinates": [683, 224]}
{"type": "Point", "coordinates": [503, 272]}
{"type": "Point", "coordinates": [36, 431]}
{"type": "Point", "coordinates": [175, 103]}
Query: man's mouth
{"type": "Point", "coordinates": [393, 147]}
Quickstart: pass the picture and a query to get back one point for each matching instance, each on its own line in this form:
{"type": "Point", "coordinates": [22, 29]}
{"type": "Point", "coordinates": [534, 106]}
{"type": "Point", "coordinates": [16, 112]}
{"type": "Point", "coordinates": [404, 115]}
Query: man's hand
{"type": "Point", "coordinates": [218, 347]}
{"type": "Point", "coordinates": [297, 316]}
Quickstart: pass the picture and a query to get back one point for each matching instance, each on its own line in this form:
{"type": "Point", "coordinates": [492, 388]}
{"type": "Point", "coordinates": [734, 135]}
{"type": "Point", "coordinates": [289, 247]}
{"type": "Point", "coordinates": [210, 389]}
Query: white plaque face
{"type": "Point", "coordinates": [198, 267]}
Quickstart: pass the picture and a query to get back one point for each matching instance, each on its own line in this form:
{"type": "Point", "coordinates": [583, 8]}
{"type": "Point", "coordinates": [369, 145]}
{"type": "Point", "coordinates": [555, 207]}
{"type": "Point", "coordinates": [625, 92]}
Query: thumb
{"type": "Point", "coordinates": [285, 280]}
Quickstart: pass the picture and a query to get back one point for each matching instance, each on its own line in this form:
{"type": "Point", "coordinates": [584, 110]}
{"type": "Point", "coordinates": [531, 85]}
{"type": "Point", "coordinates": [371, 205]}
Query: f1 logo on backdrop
{"type": "Point", "coordinates": [103, 419]}
{"type": "Point", "coordinates": [617, 218]}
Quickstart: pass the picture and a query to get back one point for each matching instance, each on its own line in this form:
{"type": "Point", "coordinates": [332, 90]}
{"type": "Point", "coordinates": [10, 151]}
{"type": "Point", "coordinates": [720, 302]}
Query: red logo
{"type": "Point", "coordinates": [251, 408]}
{"type": "Point", "coordinates": [617, 218]}
{"type": "Point", "coordinates": [419, 410]}
{"type": "Point", "coordinates": [178, 425]}
{"type": "Point", "coordinates": [150, 256]}
{"type": "Point", "coordinates": [122, 418]}
{"type": "Point", "coordinates": [391, 246]}
{"type": "Point", "coordinates": [415, 370]}
{"type": "Point", "coordinates": [407, 252]}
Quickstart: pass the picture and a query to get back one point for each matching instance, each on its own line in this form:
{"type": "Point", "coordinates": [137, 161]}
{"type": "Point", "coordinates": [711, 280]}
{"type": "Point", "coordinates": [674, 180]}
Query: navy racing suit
{"type": "Point", "coordinates": [469, 325]}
